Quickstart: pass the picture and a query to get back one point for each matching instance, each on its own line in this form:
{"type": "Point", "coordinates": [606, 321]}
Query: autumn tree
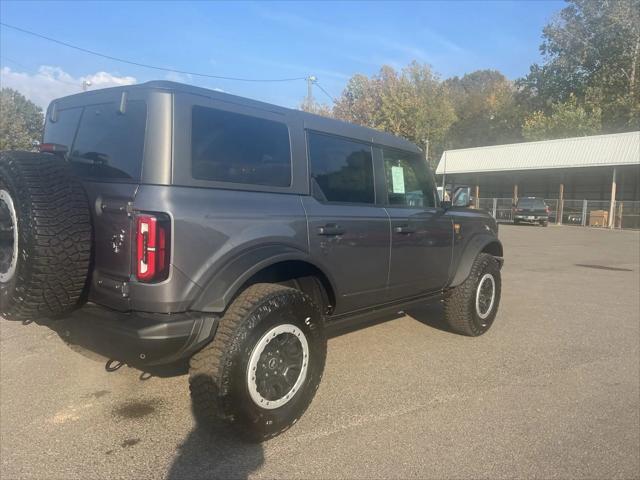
{"type": "Point", "coordinates": [311, 106]}
{"type": "Point", "coordinates": [413, 104]}
{"type": "Point", "coordinates": [21, 121]}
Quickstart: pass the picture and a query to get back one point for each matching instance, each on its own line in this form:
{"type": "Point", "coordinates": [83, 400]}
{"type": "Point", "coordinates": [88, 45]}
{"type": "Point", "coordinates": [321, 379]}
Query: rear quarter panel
{"type": "Point", "coordinates": [214, 228]}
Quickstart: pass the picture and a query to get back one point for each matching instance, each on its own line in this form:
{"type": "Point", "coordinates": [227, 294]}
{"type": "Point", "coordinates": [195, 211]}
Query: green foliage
{"type": "Point", "coordinates": [486, 108]}
{"type": "Point", "coordinates": [566, 119]}
{"type": "Point", "coordinates": [21, 121]}
{"type": "Point", "coordinates": [592, 51]}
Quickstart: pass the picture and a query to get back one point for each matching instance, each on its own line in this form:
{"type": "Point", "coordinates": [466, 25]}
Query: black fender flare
{"type": "Point", "coordinates": [225, 285]}
{"type": "Point", "coordinates": [479, 243]}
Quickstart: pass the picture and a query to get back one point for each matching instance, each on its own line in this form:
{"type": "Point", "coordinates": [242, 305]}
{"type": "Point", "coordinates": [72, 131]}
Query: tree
{"type": "Point", "coordinates": [316, 108]}
{"type": "Point", "coordinates": [566, 119]}
{"type": "Point", "coordinates": [21, 121]}
{"type": "Point", "coordinates": [413, 104]}
{"type": "Point", "coordinates": [486, 109]}
{"type": "Point", "coordinates": [592, 51]}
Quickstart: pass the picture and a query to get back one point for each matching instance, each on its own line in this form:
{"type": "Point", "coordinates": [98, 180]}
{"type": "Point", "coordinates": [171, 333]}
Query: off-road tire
{"type": "Point", "coordinates": [54, 237]}
{"type": "Point", "coordinates": [218, 373]}
{"type": "Point", "coordinates": [460, 302]}
{"type": "Point", "coordinates": [544, 224]}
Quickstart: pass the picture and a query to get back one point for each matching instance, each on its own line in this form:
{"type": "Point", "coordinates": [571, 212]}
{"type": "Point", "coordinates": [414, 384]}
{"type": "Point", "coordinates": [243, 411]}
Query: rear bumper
{"type": "Point", "coordinates": [141, 338]}
{"type": "Point", "coordinates": [531, 218]}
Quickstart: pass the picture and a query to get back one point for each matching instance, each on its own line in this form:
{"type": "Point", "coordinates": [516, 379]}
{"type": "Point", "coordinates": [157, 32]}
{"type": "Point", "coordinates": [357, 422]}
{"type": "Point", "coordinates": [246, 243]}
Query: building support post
{"type": "Point", "coordinates": [560, 208]}
{"type": "Point", "coordinates": [584, 212]}
{"type": "Point", "coordinates": [495, 207]}
{"type": "Point", "coordinates": [514, 200]}
{"type": "Point", "coordinates": [477, 196]}
{"type": "Point", "coordinates": [612, 206]}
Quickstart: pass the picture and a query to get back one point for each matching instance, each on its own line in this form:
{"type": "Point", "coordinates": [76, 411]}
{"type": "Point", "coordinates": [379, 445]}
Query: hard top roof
{"type": "Point", "coordinates": [312, 121]}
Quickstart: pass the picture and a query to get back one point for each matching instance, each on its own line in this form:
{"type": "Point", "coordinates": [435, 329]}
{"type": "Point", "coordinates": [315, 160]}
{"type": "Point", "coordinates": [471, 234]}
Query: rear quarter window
{"type": "Point", "coordinates": [341, 169]}
{"type": "Point", "coordinates": [236, 148]}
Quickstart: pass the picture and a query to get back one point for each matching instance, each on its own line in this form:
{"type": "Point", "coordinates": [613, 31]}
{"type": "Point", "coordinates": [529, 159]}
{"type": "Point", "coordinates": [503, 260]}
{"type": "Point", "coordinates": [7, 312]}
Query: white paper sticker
{"type": "Point", "coordinates": [397, 175]}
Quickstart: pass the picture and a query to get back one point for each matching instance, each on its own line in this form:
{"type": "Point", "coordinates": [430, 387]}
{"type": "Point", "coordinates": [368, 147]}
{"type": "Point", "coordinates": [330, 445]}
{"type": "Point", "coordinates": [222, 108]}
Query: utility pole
{"type": "Point", "coordinates": [311, 79]}
{"type": "Point", "coordinates": [85, 85]}
{"type": "Point", "coordinates": [426, 150]}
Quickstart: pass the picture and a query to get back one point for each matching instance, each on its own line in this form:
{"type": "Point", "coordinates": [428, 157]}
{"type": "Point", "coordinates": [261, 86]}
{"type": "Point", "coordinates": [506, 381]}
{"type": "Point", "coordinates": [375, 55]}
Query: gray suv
{"type": "Point", "coordinates": [182, 223]}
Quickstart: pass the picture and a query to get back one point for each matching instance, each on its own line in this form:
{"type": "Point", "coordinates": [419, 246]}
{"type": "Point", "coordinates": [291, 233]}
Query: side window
{"type": "Point", "coordinates": [341, 170]}
{"type": "Point", "coordinates": [230, 147]}
{"type": "Point", "coordinates": [409, 183]}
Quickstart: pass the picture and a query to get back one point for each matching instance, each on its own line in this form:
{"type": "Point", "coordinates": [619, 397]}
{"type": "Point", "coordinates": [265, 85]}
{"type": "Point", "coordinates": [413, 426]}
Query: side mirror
{"type": "Point", "coordinates": [462, 197]}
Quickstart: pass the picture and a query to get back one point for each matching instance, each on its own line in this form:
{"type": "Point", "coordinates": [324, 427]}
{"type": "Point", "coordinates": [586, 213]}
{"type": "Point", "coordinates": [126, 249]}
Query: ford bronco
{"type": "Point", "coordinates": [183, 223]}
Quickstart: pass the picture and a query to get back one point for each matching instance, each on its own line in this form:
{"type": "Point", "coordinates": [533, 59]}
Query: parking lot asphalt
{"type": "Point", "coordinates": [551, 391]}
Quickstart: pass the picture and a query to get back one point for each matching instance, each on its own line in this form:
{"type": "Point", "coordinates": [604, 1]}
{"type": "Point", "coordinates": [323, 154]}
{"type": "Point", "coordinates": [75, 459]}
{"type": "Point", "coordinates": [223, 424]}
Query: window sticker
{"type": "Point", "coordinates": [397, 176]}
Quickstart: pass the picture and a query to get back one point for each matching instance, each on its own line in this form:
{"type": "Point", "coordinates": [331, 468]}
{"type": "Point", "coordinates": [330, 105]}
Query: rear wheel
{"type": "Point", "coordinates": [471, 307]}
{"type": "Point", "coordinates": [265, 363]}
{"type": "Point", "coordinates": [45, 237]}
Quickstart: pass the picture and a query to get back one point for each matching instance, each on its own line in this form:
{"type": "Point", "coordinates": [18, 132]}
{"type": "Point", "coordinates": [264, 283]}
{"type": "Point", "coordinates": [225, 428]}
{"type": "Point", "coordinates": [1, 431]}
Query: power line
{"type": "Point", "coordinates": [15, 62]}
{"type": "Point", "coordinates": [325, 92]}
{"type": "Point", "coordinates": [144, 65]}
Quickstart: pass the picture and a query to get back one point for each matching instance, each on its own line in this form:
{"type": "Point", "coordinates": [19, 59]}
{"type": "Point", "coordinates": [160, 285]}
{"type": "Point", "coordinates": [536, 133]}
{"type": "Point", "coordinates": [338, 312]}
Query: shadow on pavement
{"type": "Point", "coordinates": [431, 315]}
{"type": "Point", "coordinates": [215, 450]}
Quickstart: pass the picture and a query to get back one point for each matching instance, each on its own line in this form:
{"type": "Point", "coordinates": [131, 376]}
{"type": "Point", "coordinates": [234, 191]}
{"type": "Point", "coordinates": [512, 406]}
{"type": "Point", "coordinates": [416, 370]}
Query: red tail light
{"type": "Point", "coordinates": [53, 148]}
{"type": "Point", "coordinates": [152, 254]}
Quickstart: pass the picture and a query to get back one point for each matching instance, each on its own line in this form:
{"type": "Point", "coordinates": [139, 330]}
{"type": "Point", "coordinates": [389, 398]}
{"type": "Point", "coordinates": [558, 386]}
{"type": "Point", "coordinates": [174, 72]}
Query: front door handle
{"type": "Point", "coordinates": [405, 229]}
{"type": "Point", "coordinates": [331, 229]}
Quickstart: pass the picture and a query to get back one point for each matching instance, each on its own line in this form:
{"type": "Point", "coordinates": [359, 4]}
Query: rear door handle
{"type": "Point", "coordinates": [405, 229]}
{"type": "Point", "coordinates": [331, 230]}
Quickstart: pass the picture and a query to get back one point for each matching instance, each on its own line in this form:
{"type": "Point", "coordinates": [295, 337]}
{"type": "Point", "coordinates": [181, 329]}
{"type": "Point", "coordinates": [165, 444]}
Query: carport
{"type": "Point", "coordinates": [584, 174]}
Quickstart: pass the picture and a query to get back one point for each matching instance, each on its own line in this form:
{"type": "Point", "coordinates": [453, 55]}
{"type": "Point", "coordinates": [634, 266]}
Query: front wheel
{"type": "Point", "coordinates": [471, 307]}
{"type": "Point", "coordinates": [265, 363]}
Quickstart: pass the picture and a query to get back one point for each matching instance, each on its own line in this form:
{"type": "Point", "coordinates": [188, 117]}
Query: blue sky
{"type": "Point", "coordinates": [331, 40]}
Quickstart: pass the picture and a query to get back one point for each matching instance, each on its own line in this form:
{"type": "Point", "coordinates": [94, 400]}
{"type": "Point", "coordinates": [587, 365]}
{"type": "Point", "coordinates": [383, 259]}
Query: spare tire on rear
{"type": "Point", "coordinates": [45, 237]}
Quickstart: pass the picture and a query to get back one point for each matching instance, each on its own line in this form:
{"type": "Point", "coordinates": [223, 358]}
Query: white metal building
{"type": "Point", "coordinates": [604, 168]}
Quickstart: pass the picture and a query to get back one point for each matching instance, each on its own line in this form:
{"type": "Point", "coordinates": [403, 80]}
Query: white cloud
{"type": "Point", "coordinates": [52, 82]}
{"type": "Point", "coordinates": [179, 77]}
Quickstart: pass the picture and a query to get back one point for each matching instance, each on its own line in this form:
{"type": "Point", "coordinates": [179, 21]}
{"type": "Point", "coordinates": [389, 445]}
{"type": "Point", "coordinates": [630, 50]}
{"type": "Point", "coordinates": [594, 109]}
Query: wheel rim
{"type": "Point", "coordinates": [485, 296]}
{"type": "Point", "coordinates": [278, 366]}
{"type": "Point", "coordinates": [8, 237]}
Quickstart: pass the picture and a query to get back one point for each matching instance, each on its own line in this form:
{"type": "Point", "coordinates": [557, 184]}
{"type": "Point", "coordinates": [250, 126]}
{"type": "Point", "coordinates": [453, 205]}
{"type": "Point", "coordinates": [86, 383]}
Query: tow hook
{"type": "Point", "coordinates": [113, 365]}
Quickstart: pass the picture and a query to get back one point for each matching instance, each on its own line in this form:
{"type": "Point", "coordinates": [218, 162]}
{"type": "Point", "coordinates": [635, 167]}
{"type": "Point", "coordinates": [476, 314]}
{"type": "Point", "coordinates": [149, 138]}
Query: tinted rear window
{"type": "Point", "coordinates": [230, 147]}
{"type": "Point", "coordinates": [534, 203]}
{"type": "Point", "coordinates": [103, 143]}
{"type": "Point", "coordinates": [64, 129]}
{"type": "Point", "coordinates": [341, 170]}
